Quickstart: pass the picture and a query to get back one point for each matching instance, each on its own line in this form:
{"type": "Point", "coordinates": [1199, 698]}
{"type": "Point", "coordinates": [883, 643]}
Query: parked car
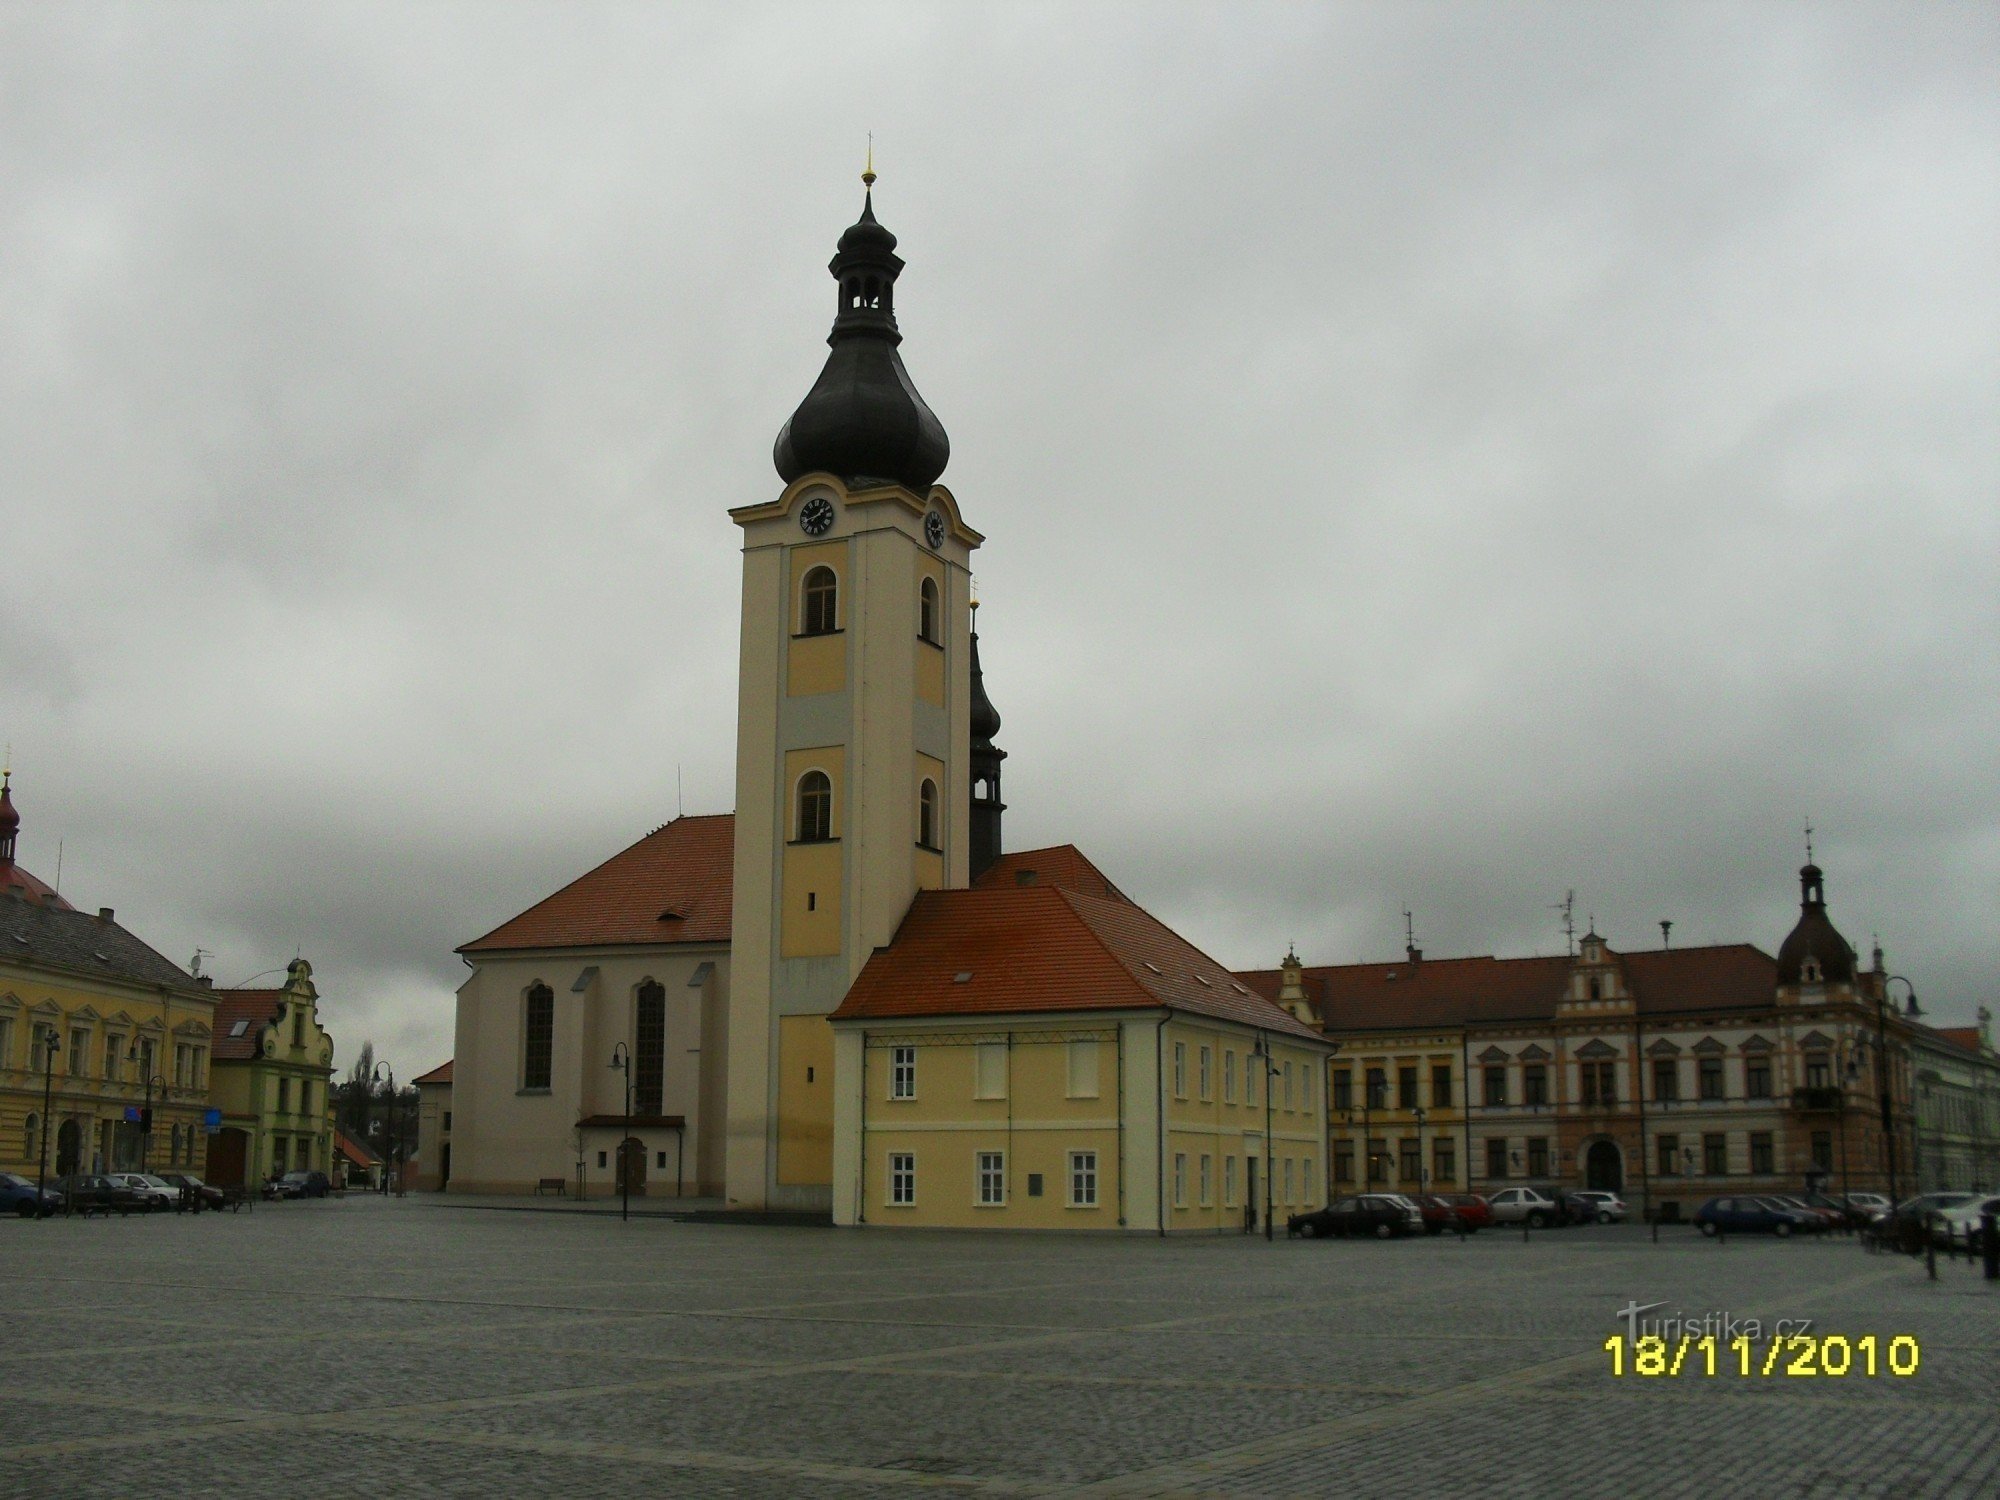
{"type": "Point", "coordinates": [1829, 1217]}
{"type": "Point", "coordinates": [1611, 1208]}
{"type": "Point", "coordinates": [305, 1184]}
{"type": "Point", "coordinates": [1515, 1205]}
{"type": "Point", "coordinates": [101, 1195]}
{"type": "Point", "coordinates": [1907, 1226]}
{"type": "Point", "coordinates": [1753, 1215]}
{"type": "Point", "coordinates": [1870, 1204]}
{"type": "Point", "coordinates": [154, 1194]}
{"type": "Point", "coordinates": [1438, 1214]}
{"type": "Point", "coordinates": [1473, 1211]}
{"type": "Point", "coordinates": [197, 1193]}
{"type": "Point", "coordinates": [19, 1195]}
{"type": "Point", "coordinates": [1382, 1215]}
{"type": "Point", "coordinates": [1960, 1224]}
{"type": "Point", "coordinates": [1852, 1214]}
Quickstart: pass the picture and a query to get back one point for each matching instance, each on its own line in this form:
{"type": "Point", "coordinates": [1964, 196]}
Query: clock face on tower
{"type": "Point", "coordinates": [934, 530]}
{"type": "Point", "coordinates": [816, 516]}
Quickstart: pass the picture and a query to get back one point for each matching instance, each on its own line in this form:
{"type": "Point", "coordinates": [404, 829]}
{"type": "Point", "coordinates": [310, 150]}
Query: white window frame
{"type": "Point", "coordinates": [902, 1179]}
{"type": "Point", "coordinates": [989, 1170]}
{"type": "Point", "coordinates": [1228, 1075]}
{"type": "Point", "coordinates": [1180, 1179]}
{"type": "Point", "coordinates": [993, 1055]}
{"type": "Point", "coordinates": [1205, 1180]}
{"type": "Point", "coordinates": [1180, 1070]}
{"type": "Point", "coordinates": [1229, 1181]}
{"type": "Point", "coordinates": [1290, 1199]}
{"type": "Point", "coordinates": [1288, 1083]}
{"type": "Point", "coordinates": [1083, 1179]}
{"type": "Point", "coordinates": [902, 1073]}
{"type": "Point", "coordinates": [1205, 1072]}
{"type": "Point", "coordinates": [1082, 1062]}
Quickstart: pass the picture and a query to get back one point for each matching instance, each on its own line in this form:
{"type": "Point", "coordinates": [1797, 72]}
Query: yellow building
{"type": "Point", "coordinates": [1039, 1052]}
{"type": "Point", "coordinates": [273, 1067]}
{"type": "Point", "coordinates": [96, 1028]}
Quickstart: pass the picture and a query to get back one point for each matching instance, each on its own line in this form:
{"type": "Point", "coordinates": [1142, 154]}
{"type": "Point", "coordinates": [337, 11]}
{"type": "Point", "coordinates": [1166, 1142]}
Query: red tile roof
{"type": "Point", "coordinates": [1061, 865]}
{"type": "Point", "coordinates": [256, 1008]}
{"type": "Point", "coordinates": [1485, 990]}
{"type": "Point", "coordinates": [1045, 948]}
{"type": "Point", "coordinates": [1959, 1036]}
{"type": "Point", "coordinates": [440, 1074]}
{"type": "Point", "coordinates": [671, 887]}
{"type": "Point", "coordinates": [13, 877]}
{"type": "Point", "coordinates": [354, 1151]}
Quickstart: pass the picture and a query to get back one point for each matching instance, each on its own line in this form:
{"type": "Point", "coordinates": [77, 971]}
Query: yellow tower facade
{"type": "Point", "coordinates": [853, 786]}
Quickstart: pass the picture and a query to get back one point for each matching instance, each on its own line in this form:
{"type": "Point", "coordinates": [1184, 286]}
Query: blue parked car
{"type": "Point", "coordinates": [1752, 1215]}
{"type": "Point", "coordinates": [18, 1195]}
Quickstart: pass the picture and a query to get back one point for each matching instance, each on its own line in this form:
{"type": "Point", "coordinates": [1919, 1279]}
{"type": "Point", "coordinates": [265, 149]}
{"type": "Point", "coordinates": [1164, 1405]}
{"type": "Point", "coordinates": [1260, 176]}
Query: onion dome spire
{"type": "Point", "coordinates": [10, 818]}
{"type": "Point", "coordinates": [1814, 952]}
{"type": "Point", "coordinates": [985, 761]}
{"type": "Point", "coordinates": [863, 419]}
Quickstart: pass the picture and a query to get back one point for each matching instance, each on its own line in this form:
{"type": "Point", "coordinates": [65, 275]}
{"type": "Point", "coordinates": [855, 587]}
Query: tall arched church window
{"type": "Point", "coordinates": [649, 1056]}
{"type": "Point", "coordinates": [538, 1036]}
{"type": "Point", "coordinates": [927, 610]}
{"type": "Point", "coordinates": [819, 603]}
{"type": "Point", "coordinates": [927, 810]}
{"type": "Point", "coordinates": [815, 808]}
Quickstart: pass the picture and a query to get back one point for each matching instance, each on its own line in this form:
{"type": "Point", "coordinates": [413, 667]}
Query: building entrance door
{"type": "Point", "coordinates": [69, 1149]}
{"type": "Point", "coordinates": [1604, 1169]}
{"type": "Point", "coordinates": [631, 1167]}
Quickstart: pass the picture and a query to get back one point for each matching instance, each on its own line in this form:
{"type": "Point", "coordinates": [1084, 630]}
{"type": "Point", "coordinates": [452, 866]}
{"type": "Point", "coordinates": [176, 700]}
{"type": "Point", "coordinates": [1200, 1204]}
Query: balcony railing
{"type": "Point", "coordinates": [1816, 1100]}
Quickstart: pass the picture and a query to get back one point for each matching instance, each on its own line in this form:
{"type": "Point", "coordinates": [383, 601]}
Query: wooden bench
{"type": "Point", "coordinates": [557, 1185]}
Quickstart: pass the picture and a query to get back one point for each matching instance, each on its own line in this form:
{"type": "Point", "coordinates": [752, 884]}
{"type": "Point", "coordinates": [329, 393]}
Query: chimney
{"type": "Point", "coordinates": [104, 914]}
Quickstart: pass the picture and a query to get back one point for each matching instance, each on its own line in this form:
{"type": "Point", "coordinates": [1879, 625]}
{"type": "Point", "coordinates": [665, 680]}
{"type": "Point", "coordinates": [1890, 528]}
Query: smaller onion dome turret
{"type": "Point", "coordinates": [1814, 952]}
{"type": "Point", "coordinates": [863, 419]}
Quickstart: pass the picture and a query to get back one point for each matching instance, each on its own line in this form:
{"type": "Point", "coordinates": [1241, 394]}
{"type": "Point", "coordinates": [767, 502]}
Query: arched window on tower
{"type": "Point", "coordinates": [927, 611]}
{"type": "Point", "coordinates": [815, 808]}
{"type": "Point", "coordinates": [819, 603]}
{"type": "Point", "coordinates": [927, 814]}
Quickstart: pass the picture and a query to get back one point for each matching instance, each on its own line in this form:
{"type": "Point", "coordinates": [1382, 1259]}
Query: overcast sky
{"type": "Point", "coordinates": [1432, 455]}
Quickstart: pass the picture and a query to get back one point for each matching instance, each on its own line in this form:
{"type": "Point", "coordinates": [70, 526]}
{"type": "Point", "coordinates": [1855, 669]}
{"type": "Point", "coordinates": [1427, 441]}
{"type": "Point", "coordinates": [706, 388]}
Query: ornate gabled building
{"type": "Point", "coordinates": [272, 1083]}
{"type": "Point", "coordinates": [1667, 1075]}
{"type": "Point", "coordinates": [104, 1042]}
{"type": "Point", "coordinates": [703, 970]}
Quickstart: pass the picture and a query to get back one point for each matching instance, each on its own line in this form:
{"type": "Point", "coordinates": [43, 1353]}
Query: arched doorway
{"type": "Point", "coordinates": [631, 1167]}
{"type": "Point", "coordinates": [69, 1149]}
{"type": "Point", "coordinates": [1604, 1168]}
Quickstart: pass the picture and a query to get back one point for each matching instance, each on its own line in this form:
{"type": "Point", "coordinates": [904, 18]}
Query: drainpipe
{"type": "Point", "coordinates": [1160, 1090]}
{"type": "Point", "coordinates": [1121, 1124]}
{"type": "Point", "coordinates": [1465, 1098]}
{"type": "Point", "coordinates": [861, 1166]}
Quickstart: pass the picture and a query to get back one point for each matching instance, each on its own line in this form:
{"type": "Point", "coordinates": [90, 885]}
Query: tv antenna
{"type": "Point", "coordinates": [1567, 906]}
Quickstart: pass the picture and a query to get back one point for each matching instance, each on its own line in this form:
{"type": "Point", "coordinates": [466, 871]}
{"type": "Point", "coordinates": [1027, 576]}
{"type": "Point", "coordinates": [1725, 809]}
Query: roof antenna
{"type": "Point", "coordinates": [1567, 906]}
{"type": "Point", "coordinates": [59, 844]}
{"type": "Point", "coordinates": [1809, 858]}
{"type": "Point", "coordinates": [1410, 948]}
{"type": "Point", "coordinates": [1666, 932]}
{"type": "Point", "coordinates": [194, 964]}
{"type": "Point", "coordinates": [680, 807]}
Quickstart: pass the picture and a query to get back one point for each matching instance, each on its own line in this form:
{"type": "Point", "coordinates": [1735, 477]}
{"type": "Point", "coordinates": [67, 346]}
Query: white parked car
{"type": "Point", "coordinates": [1959, 1225]}
{"type": "Point", "coordinates": [154, 1193]}
{"type": "Point", "coordinates": [1513, 1205]}
{"type": "Point", "coordinates": [1611, 1208]}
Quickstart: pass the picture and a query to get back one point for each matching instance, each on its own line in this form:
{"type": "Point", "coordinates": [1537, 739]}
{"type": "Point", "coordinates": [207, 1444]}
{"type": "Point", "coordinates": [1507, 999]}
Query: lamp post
{"type": "Point", "coordinates": [621, 1060]}
{"type": "Point", "coordinates": [1882, 1069]}
{"type": "Point", "coordinates": [1423, 1171]}
{"type": "Point", "coordinates": [145, 1059]}
{"type": "Point", "coordinates": [1262, 1052]}
{"type": "Point", "coordinates": [391, 1132]}
{"type": "Point", "coordinates": [50, 1041]}
{"type": "Point", "coordinates": [1852, 1050]}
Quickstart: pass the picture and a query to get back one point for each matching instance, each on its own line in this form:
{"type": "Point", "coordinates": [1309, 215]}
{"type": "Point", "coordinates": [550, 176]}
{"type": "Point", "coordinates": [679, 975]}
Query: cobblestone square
{"type": "Point", "coordinates": [428, 1347]}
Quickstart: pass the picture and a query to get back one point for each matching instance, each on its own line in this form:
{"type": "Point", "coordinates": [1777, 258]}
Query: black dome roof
{"type": "Point", "coordinates": [863, 419]}
{"type": "Point", "coordinates": [1814, 939]}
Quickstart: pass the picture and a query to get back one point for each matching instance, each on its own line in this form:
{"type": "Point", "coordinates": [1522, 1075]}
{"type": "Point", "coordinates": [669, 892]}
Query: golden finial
{"type": "Point", "coordinates": [868, 172]}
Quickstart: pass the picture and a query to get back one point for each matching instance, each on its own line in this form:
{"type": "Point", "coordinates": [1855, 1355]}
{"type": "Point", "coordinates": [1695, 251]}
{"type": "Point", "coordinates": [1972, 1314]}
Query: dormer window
{"type": "Point", "coordinates": [1596, 988]}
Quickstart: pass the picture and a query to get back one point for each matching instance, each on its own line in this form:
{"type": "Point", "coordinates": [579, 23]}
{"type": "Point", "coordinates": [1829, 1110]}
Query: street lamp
{"type": "Point", "coordinates": [621, 1060]}
{"type": "Point", "coordinates": [1852, 1050]}
{"type": "Point", "coordinates": [391, 1132]}
{"type": "Point", "coordinates": [146, 1113]}
{"type": "Point", "coordinates": [1423, 1172]}
{"type": "Point", "coordinates": [50, 1041]}
{"type": "Point", "coordinates": [1882, 1067]}
{"type": "Point", "coordinates": [1262, 1052]}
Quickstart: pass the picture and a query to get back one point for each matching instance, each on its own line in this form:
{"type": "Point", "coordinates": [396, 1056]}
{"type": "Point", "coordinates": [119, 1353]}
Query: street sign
{"type": "Point", "coordinates": [131, 1114]}
{"type": "Point", "coordinates": [211, 1120]}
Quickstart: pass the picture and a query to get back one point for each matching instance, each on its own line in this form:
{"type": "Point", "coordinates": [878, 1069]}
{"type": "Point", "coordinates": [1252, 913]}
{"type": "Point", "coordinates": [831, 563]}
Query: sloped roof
{"type": "Point", "coordinates": [253, 1010]}
{"type": "Point", "coordinates": [52, 932]}
{"type": "Point", "coordinates": [673, 886]}
{"type": "Point", "coordinates": [354, 1151]}
{"type": "Point", "coordinates": [1965, 1037]}
{"type": "Point", "coordinates": [14, 878]}
{"type": "Point", "coordinates": [1060, 865]}
{"type": "Point", "coordinates": [440, 1074]}
{"type": "Point", "coordinates": [1043, 948]}
{"type": "Point", "coordinates": [1487, 990]}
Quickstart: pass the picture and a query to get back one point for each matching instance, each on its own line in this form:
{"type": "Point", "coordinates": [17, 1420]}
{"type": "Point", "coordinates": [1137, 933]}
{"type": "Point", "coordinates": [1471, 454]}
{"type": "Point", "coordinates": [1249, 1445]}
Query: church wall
{"type": "Point", "coordinates": [505, 1139]}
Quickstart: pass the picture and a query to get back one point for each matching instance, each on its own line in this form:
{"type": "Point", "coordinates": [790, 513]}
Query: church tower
{"type": "Point", "coordinates": [854, 708]}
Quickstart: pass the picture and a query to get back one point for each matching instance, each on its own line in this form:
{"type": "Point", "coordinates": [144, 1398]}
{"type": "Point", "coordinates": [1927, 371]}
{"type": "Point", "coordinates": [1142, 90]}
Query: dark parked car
{"type": "Point", "coordinates": [1379, 1214]}
{"type": "Point", "coordinates": [195, 1193]}
{"type": "Point", "coordinates": [1752, 1215]}
{"type": "Point", "coordinates": [299, 1185]}
{"type": "Point", "coordinates": [19, 1195]}
{"type": "Point", "coordinates": [100, 1195]}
